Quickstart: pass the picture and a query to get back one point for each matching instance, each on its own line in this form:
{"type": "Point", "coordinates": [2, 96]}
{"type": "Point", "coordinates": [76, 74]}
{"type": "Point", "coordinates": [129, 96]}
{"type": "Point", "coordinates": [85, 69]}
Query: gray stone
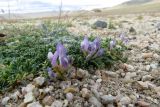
{"type": "Point", "coordinates": [148, 67]}
{"type": "Point", "coordinates": [132, 30]}
{"type": "Point", "coordinates": [130, 68]}
{"type": "Point", "coordinates": [158, 26]}
{"type": "Point", "coordinates": [130, 75]}
{"type": "Point", "coordinates": [82, 73]}
{"type": "Point", "coordinates": [57, 103]}
{"type": "Point", "coordinates": [29, 97]}
{"type": "Point", "coordinates": [48, 100]}
{"type": "Point", "coordinates": [85, 93]}
{"type": "Point", "coordinates": [125, 100]}
{"type": "Point", "coordinates": [5, 100]}
{"type": "Point", "coordinates": [39, 81]}
{"type": "Point", "coordinates": [154, 65]}
{"type": "Point", "coordinates": [154, 47]}
{"type": "Point", "coordinates": [65, 103]}
{"type": "Point", "coordinates": [28, 88]}
{"type": "Point", "coordinates": [140, 85]}
{"type": "Point", "coordinates": [143, 104]}
{"type": "Point", "coordinates": [147, 78]}
{"type": "Point", "coordinates": [34, 104]}
{"type": "Point", "coordinates": [111, 74]}
{"type": "Point", "coordinates": [100, 24]}
{"type": "Point", "coordinates": [96, 93]}
{"type": "Point", "coordinates": [106, 99]}
{"type": "Point", "coordinates": [110, 105]}
{"type": "Point", "coordinates": [95, 102]}
{"type": "Point", "coordinates": [69, 96]}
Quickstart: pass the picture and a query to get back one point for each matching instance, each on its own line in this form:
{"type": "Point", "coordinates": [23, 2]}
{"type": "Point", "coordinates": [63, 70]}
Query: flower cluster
{"type": "Point", "coordinates": [91, 49]}
{"type": "Point", "coordinates": [112, 44]}
{"type": "Point", "coordinates": [123, 38]}
{"type": "Point", "coordinates": [59, 61]}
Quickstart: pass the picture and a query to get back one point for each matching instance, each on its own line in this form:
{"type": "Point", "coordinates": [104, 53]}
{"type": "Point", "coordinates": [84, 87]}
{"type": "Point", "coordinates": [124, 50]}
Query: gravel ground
{"type": "Point", "coordinates": [132, 84]}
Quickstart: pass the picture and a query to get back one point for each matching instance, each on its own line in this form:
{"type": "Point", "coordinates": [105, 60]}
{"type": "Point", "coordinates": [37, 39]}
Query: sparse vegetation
{"type": "Point", "coordinates": [25, 52]}
{"type": "Point", "coordinates": [97, 10]}
{"type": "Point", "coordinates": [140, 17]}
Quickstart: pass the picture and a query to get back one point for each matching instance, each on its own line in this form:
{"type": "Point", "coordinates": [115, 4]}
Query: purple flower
{"type": "Point", "coordinates": [100, 52]}
{"type": "Point", "coordinates": [97, 43]}
{"type": "Point", "coordinates": [51, 73]}
{"type": "Point", "coordinates": [64, 62]}
{"type": "Point", "coordinates": [112, 44]}
{"type": "Point", "coordinates": [123, 38]}
{"type": "Point", "coordinates": [59, 60]}
{"type": "Point", "coordinates": [61, 50]}
{"type": "Point", "coordinates": [85, 45]}
{"type": "Point", "coordinates": [91, 49]}
{"type": "Point", "coordinates": [54, 59]}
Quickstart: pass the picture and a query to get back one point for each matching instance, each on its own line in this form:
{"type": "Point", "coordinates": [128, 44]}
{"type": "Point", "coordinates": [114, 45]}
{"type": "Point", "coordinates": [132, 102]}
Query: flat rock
{"type": "Point", "coordinates": [147, 78]}
{"type": "Point", "coordinates": [34, 104]}
{"type": "Point", "coordinates": [99, 24]}
{"type": "Point", "coordinates": [140, 85]}
{"type": "Point", "coordinates": [130, 75]}
{"type": "Point", "coordinates": [39, 81]}
{"type": "Point", "coordinates": [57, 103]}
{"type": "Point", "coordinates": [82, 74]}
{"type": "Point", "coordinates": [69, 96]}
{"type": "Point", "coordinates": [110, 74]}
{"type": "Point", "coordinates": [28, 88]}
{"type": "Point", "coordinates": [48, 100]}
{"type": "Point", "coordinates": [148, 67]}
{"type": "Point", "coordinates": [5, 100]}
{"type": "Point", "coordinates": [147, 55]}
{"type": "Point", "coordinates": [95, 102]}
{"type": "Point", "coordinates": [125, 100]}
{"type": "Point", "coordinates": [106, 99]}
{"type": "Point", "coordinates": [110, 105]}
{"type": "Point", "coordinates": [29, 97]}
{"type": "Point", "coordinates": [85, 93]}
{"type": "Point", "coordinates": [23, 104]}
{"type": "Point", "coordinates": [142, 104]}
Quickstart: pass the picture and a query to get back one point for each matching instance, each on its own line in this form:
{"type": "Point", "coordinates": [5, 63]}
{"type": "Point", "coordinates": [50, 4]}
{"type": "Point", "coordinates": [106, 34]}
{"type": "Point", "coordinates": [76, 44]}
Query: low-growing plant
{"type": "Point", "coordinates": [105, 59]}
{"type": "Point", "coordinates": [25, 54]}
{"type": "Point", "coordinates": [140, 17]}
{"type": "Point", "coordinates": [111, 25]}
{"type": "Point", "coordinates": [60, 61]}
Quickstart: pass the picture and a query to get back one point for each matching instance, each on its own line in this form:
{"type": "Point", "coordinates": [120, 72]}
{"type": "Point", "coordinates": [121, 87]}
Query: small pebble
{"type": "Point", "coordinates": [39, 81]}
{"type": "Point", "coordinates": [95, 102]}
{"type": "Point", "coordinates": [29, 97]}
{"type": "Point", "coordinates": [34, 104]}
{"type": "Point", "coordinates": [5, 100]}
{"type": "Point", "coordinates": [85, 93]}
{"type": "Point", "coordinates": [142, 104]}
{"type": "Point", "coordinates": [57, 103]}
{"type": "Point", "coordinates": [48, 100]}
{"type": "Point", "coordinates": [69, 96]}
{"type": "Point", "coordinates": [106, 99]}
{"type": "Point", "coordinates": [125, 100]}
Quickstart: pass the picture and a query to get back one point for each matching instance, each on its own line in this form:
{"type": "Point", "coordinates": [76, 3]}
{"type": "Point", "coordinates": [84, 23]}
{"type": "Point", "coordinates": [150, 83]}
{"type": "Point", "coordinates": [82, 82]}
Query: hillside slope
{"type": "Point", "coordinates": [147, 7]}
{"type": "Point", "coordinates": [133, 2]}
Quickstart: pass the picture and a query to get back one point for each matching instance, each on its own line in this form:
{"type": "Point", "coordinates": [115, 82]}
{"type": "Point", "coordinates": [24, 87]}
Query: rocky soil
{"type": "Point", "coordinates": [132, 84]}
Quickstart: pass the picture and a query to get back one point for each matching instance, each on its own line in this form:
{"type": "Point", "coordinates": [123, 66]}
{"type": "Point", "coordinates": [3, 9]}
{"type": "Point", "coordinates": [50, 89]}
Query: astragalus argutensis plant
{"type": "Point", "coordinates": [85, 54]}
{"type": "Point", "coordinates": [60, 61]}
{"type": "Point", "coordinates": [90, 49]}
